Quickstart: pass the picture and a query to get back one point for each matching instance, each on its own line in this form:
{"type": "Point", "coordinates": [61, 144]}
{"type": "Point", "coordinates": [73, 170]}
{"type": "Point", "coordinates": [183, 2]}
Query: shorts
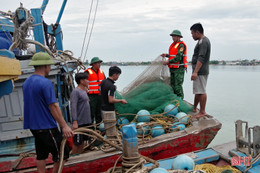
{"type": "Point", "coordinates": [78, 138]}
{"type": "Point", "coordinates": [49, 141]}
{"type": "Point", "coordinates": [199, 85]}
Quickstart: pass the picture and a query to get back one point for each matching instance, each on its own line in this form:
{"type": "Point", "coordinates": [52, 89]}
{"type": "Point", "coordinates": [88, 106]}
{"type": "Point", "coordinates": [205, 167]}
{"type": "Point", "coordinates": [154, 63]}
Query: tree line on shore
{"type": "Point", "coordinates": [213, 62]}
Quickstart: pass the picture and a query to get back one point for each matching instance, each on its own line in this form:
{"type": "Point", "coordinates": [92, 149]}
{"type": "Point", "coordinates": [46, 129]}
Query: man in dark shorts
{"type": "Point", "coordinates": [80, 110]}
{"type": "Point", "coordinates": [41, 111]}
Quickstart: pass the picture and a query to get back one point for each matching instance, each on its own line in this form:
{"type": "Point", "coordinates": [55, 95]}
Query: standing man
{"type": "Point", "coordinates": [108, 90]}
{"type": "Point", "coordinates": [200, 68]}
{"type": "Point", "coordinates": [96, 75]}
{"type": "Point", "coordinates": [80, 111]}
{"type": "Point", "coordinates": [41, 111]}
{"type": "Point", "coordinates": [177, 62]}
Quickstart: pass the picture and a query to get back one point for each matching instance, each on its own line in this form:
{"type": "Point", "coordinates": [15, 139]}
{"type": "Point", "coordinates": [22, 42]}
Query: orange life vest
{"type": "Point", "coordinates": [95, 80]}
{"type": "Point", "coordinates": [173, 50]}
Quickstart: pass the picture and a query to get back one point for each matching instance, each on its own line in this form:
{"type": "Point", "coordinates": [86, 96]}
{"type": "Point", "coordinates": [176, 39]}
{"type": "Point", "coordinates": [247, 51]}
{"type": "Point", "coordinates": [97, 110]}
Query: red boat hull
{"type": "Point", "coordinates": [193, 138]}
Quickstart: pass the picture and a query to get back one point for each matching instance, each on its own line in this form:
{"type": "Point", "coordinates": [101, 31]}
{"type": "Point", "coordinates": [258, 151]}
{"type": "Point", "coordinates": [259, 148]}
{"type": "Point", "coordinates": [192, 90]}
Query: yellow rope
{"type": "Point", "coordinates": [210, 168]}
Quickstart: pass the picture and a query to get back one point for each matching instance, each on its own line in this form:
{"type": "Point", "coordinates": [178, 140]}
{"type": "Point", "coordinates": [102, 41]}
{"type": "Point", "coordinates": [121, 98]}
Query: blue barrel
{"type": "Point", "coordinates": [133, 123]}
{"type": "Point", "coordinates": [122, 121]}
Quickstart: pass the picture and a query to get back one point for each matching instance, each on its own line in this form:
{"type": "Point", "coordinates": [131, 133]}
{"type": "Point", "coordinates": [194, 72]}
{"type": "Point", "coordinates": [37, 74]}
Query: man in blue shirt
{"type": "Point", "coordinates": [41, 111]}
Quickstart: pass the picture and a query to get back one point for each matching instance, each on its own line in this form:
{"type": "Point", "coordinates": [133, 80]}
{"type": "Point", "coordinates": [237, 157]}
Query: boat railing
{"type": "Point", "coordinates": [249, 141]}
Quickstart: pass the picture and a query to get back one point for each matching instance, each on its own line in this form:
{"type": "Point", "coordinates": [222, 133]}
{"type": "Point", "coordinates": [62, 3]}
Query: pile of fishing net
{"type": "Point", "coordinates": [152, 106]}
{"type": "Point", "coordinates": [150, 91]}
{"type": "Point", "coordinates": [153, 97]}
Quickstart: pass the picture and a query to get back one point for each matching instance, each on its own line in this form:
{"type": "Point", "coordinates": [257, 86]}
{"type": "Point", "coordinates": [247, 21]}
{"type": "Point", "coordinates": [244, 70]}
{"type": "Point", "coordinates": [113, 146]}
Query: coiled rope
{"type": "Point", "coordinates": [93, 134]}
{"type": "Point", "coordinates": [20, 41]}
{"type": "Point", "coordinates": [21, 29]}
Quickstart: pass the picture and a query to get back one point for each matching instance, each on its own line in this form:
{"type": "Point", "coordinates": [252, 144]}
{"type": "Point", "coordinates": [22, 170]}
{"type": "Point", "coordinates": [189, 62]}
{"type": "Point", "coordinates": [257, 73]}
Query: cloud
{"type": "Point", "coordinates": [140, 30]}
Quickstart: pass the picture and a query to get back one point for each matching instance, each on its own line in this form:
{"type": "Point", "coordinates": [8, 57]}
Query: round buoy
{"type": "Point", "coordinates": [183, 162]}
{"type": "Point", "coordinates": [177, 126]}
{"type": "Point", "coordinates": [174, 110]}
{"type": "Point", "coordinates": [157, 130]}
{"type": "Point", "coordinates": [145, 130]}
{"type": "Point", "coordinates": [122, 121]}
{"type": "Point", "coordinates": [182, 117]}
{"type": "Point", "coordinates": [101, 127]}
{"type": "Point", "coordinates": [159, 170]}
{"type": "Point", "coordinates": [143, 116]}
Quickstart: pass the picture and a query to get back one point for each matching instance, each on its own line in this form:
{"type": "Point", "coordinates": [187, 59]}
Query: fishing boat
{"type": "Point", "coordinates": [241, 155]}
{"type": "Point", "coordinates": [17, 144]}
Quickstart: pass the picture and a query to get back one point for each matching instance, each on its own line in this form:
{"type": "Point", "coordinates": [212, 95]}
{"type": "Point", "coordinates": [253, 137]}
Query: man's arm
{"type": "Point", "coordinates": [73, 109]}
{"type": "Point", "coordinates": [201, 58]}
{"type": "Point", "coordinates": [196, 70]}
{"type": "Point", "coordinates": [56, 113]}
{"type": "Point", "coordinates": [111, 99]}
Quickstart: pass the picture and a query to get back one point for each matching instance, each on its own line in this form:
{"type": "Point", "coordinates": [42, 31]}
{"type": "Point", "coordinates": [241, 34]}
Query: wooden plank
{"type": "Point", "coordinates": [206, 156]}
{"type": "Point", "coordinates": [223, 149]}
{"type": "Point", "coordinates": [199, 157]}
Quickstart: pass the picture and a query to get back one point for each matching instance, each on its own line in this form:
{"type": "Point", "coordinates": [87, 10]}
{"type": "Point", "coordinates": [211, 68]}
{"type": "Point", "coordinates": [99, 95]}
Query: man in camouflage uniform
{"type": "Point", "coordinates": [177, 62]}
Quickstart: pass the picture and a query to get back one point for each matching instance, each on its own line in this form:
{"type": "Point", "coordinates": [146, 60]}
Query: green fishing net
{"type": "Point", "coordinates": [150, 91]}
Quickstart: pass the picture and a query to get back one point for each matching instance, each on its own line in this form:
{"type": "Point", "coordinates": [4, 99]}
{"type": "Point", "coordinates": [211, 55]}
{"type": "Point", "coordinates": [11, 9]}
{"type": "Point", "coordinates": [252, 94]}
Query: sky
{"type": "Point", "coordinates": [138, 30]}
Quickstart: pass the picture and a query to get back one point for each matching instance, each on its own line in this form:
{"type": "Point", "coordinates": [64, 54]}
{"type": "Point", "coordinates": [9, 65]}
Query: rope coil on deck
{"type": "Point", "coordinates": [92, 133]}
{"type": "Point", "coordinates": [210, 168]}
{"type": "Point", "coordinates": [143, 159]}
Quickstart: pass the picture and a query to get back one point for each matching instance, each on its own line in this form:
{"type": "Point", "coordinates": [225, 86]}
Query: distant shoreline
{"type": "Point", "coordinates": [213, 62]}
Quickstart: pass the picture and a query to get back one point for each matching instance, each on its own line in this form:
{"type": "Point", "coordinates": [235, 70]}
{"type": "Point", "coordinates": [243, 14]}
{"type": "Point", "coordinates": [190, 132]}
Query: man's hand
{"type": "Point", "coordinates": [67, 132]}
{"type": "Point", "coordinates": [163, 55]}
{"type": "Point", "coordinates": [123, 101]}
{"type": "Point", "coordinates": [57, 115]}
{"type": "Point", "coordinates": [75, 125]}
{"type": "Point", "coordinates": [194, 76]}
{"type": "Point", "coordinates": [166, 62]}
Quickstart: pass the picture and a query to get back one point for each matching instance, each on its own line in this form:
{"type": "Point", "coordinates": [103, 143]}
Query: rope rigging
{"type": "Point", "coordinates": [86, 31]}
{"type": "Point", "coordinates": [91, 30]}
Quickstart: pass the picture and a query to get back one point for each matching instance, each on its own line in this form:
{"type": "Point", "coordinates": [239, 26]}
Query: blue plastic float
{"type": "Point", "coordinates": [174, 110]}
{"type": "Point", "coordinates": [143, 116]}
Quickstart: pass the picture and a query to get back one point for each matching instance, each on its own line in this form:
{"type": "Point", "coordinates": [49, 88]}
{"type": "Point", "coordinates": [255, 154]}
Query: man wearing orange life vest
{"type": "Point", "coordinates": [96, 76]}
{"type": "Point", "coordinates": [177, 62]}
